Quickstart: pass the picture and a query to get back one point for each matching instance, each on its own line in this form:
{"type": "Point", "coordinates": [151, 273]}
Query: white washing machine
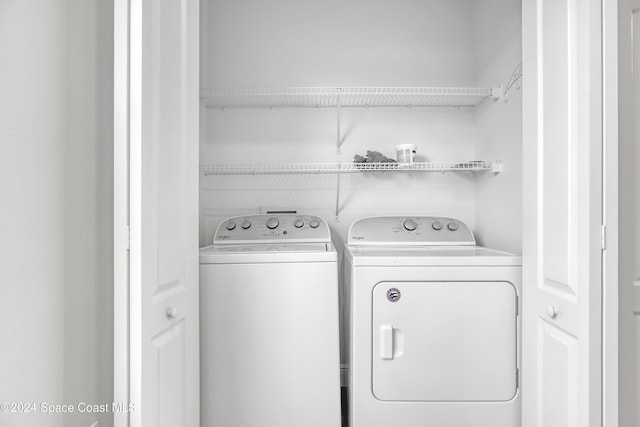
{"type": "Point", "coordinates": [269, 333]}
{"type": "Point", "coordinates": [434, 326]}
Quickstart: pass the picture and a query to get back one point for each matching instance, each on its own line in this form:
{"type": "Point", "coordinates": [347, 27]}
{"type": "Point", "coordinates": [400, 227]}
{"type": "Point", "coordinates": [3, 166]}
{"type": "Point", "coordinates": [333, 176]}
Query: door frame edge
{"type": "Point", "coordinates": [121, 237]}
{"type": "Point", "coordinates": [610, 213]}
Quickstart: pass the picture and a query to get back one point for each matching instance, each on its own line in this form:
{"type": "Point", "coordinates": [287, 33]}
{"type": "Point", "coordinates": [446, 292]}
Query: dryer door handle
{"type": "Point", "coordinates": [386, 342]}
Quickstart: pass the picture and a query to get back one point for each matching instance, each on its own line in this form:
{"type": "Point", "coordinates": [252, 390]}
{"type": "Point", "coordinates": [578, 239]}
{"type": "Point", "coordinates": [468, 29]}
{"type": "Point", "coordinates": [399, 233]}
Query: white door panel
{"type": "Point", "coordinates": [163, 103]}
{"type": "Point", "coordinates": [562, 215]}
{"type": "Point", "coordinates": [634, 19]}
{"type": "Point", "coordinates": [558, 72]}
{"type": "Point", "coordinates": [168, 353]}
{"type": "Point", "coordinates": [636, 284]}
{"type": "Point", "coordinates": [635, 404]}
{"type": "Point", "coordinates": [558, 139]}
{"type": "Point", "coordinates": [635, 308]}
{"type": "Point", "coordinates": [558, 368]}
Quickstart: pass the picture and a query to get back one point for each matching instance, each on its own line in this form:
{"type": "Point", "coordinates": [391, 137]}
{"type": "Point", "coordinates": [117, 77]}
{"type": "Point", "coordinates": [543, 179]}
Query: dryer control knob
{"type": "Point", "coordinates": [409, 224]}
{"type": "Point", "coordinates": [314, 223]}
{"type": "Point", "coordinates": [246, 224]}
{"type": "Point", "coordinates": [272, 223]}
{"type": "Point", "coordinates": [453, 226]}
{"type": "Point", "coordinates": [230, 225]}
{"type": "Point", "coordinates": [436, 225]}
{"type": "Point", "coordinates": [298, 223]}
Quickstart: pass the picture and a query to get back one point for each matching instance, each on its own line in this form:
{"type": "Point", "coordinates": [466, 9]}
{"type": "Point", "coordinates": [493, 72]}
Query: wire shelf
{"type": "Point", "coordinates": [319, 168]}
{"type": "Point", "coordinates": [324, 97]}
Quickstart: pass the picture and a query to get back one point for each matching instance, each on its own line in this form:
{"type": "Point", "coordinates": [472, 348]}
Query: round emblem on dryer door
{"type": "Point", "coordinates": [393, 294]}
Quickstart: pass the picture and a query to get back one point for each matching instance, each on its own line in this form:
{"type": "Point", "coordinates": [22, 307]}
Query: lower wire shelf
{"type": "Point", "coordinates": [338, 168]}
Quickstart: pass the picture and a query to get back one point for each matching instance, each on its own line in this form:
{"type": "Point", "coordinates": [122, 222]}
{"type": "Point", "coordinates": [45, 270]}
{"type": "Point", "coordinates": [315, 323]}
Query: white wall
{"type": "Point", "coordinates": [629, 214]}
{"type": "Point", "coordinates": [55, 223]}
{"type": "Point", "coordinates": [337, 43]}
{"type": "Point", "coordinates": [32, 121]}
{"type": "Point", "coordinates": [88, 184]}
{"type": "Point", "coordinates": [365, 43]}
{"type": "Point", "coordinates": [334, 42]}
{"type": "Point", "coordinates": [497, 32]}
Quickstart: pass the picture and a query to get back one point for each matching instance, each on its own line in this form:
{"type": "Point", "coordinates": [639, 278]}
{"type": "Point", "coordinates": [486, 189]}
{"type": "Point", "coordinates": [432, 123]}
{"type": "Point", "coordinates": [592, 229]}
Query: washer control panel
{"type": "Point", "coordinates": [421, 230]}
{"type": "Point", "coordinates": [286, 228]}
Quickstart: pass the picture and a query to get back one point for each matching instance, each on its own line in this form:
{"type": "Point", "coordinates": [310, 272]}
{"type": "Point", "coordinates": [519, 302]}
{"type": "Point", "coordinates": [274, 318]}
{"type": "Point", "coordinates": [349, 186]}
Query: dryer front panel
{"type": "Point", "coordinates": [444, 341]}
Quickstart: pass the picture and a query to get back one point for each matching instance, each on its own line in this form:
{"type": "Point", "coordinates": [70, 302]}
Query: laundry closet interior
{"type": "Point", "coordinates": [292, 91]}
{"type": "Point", "coordinates": [441, 74]}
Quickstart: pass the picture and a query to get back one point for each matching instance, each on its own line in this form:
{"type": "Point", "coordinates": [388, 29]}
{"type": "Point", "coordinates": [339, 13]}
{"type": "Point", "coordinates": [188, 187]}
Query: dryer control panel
{"type": "Point", "coordinates": [410, 230]}
{"type": "Point", "coordinates": [284, 228]}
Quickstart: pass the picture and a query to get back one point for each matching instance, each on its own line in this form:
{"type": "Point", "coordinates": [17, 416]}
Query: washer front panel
{"type": "Point", "coordinates": [269, 345]}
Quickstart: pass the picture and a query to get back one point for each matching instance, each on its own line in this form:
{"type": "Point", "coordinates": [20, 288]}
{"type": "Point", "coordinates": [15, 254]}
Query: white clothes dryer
{"type": "Point", "coordinates": [269, 334]}
{"type": "Point", "coordinates": [434, 326]}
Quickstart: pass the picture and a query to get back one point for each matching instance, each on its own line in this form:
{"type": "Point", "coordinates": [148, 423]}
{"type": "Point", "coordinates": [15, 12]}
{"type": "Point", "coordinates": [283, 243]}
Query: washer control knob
{"type": "Point", "coordinates": [314, 223]}
{"type": "Point", "coordinates": [246, 224]}
{"type": "Point", "coordinates": [409, 224]}
{"type": "Point", "coordinates": [298, 223]}
{"type": "Point", "coordinates": [436, 225]}
{"type": "Point", "coordinates": [453, 226]}
{"type": "Point", "coordinates": [230, 225]}
{"type": "Point", "coordinates": [272, 223]}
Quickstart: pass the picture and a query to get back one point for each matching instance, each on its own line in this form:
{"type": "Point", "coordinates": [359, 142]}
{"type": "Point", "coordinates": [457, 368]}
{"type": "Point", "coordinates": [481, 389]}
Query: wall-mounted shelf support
{"type": "Point", "coordinates": [496, 167]}
{"type": "Point", "coordinates": [327, 97]}
{"type": "Point", "coordinates": [332, 97]}
{"type": "Point", "coordinates": [515, 80]}
{"type": "Point", "coordinates": [340, 168]}
{"type": "Point", "coordinates": [338, 104]}
{"type": "Point", "coordinates": [339, 97]}
{"type": "Point", "coordinates": [338, 197]}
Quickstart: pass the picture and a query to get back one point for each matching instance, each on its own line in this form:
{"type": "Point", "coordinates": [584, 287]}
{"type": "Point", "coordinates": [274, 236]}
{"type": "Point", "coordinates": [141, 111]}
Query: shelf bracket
{"type": "Point", "coordinates": [338, 102]}
{"type": "Point", "coordinates": [515, 80]}
{"type": "Point", "coordinates": [338, 196]}
{"type": "Point", "coordinates": [497, 93]}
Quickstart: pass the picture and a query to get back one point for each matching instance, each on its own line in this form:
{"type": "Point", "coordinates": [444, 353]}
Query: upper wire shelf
{"type": "Point", "coordinates": [324, 97]}
{"type": "Point", "coordinates": [318, 168]}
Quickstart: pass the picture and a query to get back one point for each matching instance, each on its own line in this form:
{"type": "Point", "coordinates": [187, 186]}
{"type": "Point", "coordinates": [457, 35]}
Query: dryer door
{"type": "Point", "coordinates": [444, 341]}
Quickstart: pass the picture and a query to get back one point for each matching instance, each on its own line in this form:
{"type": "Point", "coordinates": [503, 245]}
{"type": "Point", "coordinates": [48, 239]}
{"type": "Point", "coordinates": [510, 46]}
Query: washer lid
{"type": "Point", "coordinates": [419, 256]}
{"type": "Point", "coordinates": [409, 230]}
